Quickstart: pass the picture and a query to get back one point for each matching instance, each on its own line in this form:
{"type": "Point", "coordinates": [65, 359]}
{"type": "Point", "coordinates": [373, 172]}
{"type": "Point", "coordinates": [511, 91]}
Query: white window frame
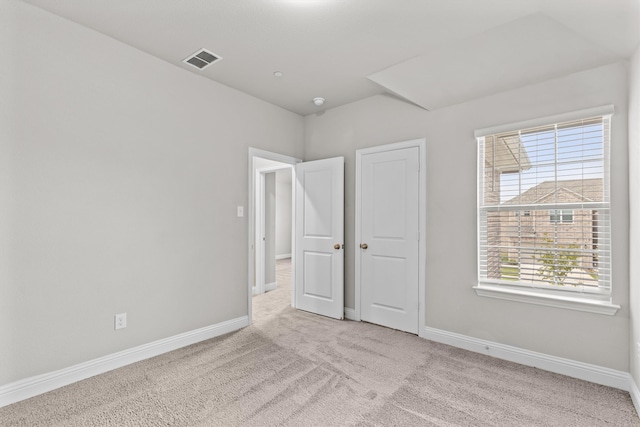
{"type": "Point", "coordinates": [550, 295]}
{"type": "Point", "coordinates": [559, 215]}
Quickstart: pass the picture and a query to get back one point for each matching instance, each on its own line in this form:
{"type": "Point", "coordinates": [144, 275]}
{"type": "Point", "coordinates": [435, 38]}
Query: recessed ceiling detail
{"type": "Point", "coordinates": [202, 59]}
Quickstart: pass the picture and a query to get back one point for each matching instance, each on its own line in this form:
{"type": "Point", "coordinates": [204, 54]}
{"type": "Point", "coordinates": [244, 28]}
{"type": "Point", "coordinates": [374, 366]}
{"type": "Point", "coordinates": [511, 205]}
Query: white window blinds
{"type": "Point", "coordinates": [543, 207]}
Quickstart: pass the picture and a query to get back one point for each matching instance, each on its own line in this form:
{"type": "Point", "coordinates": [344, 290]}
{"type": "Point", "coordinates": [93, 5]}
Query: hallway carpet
{"type": "Point", "coordinates": [291, 368]}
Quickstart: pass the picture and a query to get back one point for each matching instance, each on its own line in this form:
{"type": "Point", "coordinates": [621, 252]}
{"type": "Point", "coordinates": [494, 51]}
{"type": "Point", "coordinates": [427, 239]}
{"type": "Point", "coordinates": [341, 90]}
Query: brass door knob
{"type": "Point", "coordinates": [364, 245]}
{"type": "Point", "coordinates": [336, 246]}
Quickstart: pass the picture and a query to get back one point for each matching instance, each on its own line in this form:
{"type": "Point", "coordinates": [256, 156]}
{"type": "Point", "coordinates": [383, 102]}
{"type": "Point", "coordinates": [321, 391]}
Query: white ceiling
{"type": "Point", "coordinates": [431, 52]}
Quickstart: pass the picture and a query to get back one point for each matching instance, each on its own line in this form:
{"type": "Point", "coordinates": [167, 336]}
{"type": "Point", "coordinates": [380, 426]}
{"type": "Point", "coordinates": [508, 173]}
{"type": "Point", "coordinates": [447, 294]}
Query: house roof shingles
{"type": "Point", "coordinates": [575, 190]}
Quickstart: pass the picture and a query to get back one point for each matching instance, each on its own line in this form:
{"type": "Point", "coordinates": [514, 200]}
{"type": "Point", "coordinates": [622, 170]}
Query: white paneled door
{"type": "Point", "coordinates": [319, 252]}
{"type": "Point", "coordinates": [389, 238]}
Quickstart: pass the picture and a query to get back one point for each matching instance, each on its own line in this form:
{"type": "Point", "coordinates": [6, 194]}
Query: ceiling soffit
{"type": "Point", "coordinates": [525, 51]}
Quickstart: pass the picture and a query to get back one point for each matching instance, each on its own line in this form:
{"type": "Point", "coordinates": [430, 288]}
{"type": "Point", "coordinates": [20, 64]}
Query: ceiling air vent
{"type": "Point", "coordinates": [202, 59]}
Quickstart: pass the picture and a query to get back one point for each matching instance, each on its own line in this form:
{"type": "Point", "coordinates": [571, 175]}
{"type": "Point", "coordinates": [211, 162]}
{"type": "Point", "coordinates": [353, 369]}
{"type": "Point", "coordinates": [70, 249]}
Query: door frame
{"type": "Point", "coordinates": [252, 172]}
{"type": "Point", "coordinates": [421, 143]}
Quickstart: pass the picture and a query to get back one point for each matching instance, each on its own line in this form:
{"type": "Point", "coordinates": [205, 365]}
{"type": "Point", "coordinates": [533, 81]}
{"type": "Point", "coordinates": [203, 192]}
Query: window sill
{"type": "Point", "coordinates": [532, 296]}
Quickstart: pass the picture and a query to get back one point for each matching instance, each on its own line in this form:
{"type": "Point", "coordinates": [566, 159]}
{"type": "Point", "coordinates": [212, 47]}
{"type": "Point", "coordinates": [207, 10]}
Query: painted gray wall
{"type": "Point", "coordinates": [451, 303]}
{"type": "Point", "coordinates": [283, 213]}
{"type": "Point", "coordinates": [111, 165]}
{"type": "Point", "coordinates": [270, 227]}
{"type": "Point", "coordinates": [119, 180]}
{"type": "Point", "coordinates": [634, 215]}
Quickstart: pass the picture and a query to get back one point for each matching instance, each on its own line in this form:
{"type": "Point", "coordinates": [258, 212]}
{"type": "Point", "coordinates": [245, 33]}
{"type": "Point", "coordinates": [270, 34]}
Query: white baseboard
{"type": "Point", "coordinates": [584, 371]}
{"type": "Point", "coordinates": [283, 256]}
{"type": "Point", "coordinates": [635, 393]}
{"type": "Point", "coordinates": [33, 386]}
{"type": "Point", "coordinates": [267, 287]}
{"type": "Point", "coordinates": [349, 313]}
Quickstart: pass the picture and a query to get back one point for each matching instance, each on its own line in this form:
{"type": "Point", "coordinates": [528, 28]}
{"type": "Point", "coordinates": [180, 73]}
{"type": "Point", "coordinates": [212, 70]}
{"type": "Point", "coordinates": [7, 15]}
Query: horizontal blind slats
{"type": "Point", "coordinates": [543, 209]}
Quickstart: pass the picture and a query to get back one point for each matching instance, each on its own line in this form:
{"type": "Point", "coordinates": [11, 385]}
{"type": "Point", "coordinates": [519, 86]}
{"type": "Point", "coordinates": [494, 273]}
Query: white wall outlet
{"type": "Point", "coordinates": [240, 211]}
{"type": "Point", "coordinates": [121, 321]}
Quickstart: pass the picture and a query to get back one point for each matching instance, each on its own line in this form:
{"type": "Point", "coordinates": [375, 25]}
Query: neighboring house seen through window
{"type": "Point", "coordinates": [543, 209]}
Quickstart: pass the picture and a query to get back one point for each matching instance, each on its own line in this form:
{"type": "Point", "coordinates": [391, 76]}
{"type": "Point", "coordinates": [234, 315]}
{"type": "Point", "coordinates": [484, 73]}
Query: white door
{"type": "Point", "coordinates": [389, 238]}
{"type": "Point", "coordinates": [319, 253]}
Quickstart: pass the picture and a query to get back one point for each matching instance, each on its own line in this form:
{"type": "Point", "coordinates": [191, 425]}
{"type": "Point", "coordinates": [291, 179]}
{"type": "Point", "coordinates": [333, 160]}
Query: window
{"type": "Point", "coordinates": [561, 215]}
{"type": "Point", "coordinates": [543, 209]}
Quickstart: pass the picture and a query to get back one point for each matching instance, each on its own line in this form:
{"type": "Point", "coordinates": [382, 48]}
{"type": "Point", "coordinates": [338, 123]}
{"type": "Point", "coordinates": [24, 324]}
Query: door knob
{"type": "Point", "coordinates": [336, 246]}
{"type": "Point", "coordinates": [364, 245]}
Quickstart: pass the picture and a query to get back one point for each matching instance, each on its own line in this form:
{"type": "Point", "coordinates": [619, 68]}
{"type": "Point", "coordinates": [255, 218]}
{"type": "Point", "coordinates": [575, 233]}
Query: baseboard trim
{"type": "Point", "coordinates": [634, 392]}
{"type": "Point", "coordinates": [349, 313]}
{"type": "Point", "coordinates": [269, 286]}
{"type": "Point", "coordinates": [283, 256]}
{"type": "Point", "coordinates": [33, 386]}
{"type": "Point", "coordinates": [584, 371]}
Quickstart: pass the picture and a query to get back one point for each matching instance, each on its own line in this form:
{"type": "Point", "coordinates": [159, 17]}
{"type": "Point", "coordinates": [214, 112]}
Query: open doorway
{"type": "Point", "coordinates": [317, 246]}
{"type": "Point", "coordinates": [273, 224]}
{"type": "Point", "coordinates": [271, 192]}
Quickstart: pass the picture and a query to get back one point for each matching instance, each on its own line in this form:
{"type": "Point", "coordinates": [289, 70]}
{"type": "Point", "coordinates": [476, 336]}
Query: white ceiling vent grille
{"type": "Point", "coordinates": [202, 59]}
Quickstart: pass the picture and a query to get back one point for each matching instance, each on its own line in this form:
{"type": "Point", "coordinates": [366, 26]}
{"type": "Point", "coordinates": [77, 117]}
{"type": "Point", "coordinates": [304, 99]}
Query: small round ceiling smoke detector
{"type": "Point", "coordinates": [318, 101]}
{"type": "Point", "coordinates": [278, 74]}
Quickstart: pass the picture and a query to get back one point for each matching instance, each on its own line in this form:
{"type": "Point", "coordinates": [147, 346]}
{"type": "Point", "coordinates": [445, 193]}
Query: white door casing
{"type": "Point", "coordinates": [388, 236]}
{"type": "Point", "coordinates": [254, 254]}
{"type": "Point", "coordinates": [319, 237]}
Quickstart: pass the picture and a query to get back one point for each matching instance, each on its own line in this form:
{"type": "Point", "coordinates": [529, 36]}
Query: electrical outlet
{"type": "Point", "coordinates": [121, 321]}
{"type": "Point", "coordinates": [240, 211]}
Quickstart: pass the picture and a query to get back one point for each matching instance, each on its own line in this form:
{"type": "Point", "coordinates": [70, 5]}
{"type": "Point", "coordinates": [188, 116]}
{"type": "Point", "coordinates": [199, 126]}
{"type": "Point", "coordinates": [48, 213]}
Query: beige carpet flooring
{"type": "Point", "coordinates": [292, 368]}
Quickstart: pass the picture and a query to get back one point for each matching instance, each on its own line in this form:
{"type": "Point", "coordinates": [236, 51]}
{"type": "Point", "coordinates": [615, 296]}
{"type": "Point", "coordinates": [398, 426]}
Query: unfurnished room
{"type": "Point", "coordinates": [320, 213]}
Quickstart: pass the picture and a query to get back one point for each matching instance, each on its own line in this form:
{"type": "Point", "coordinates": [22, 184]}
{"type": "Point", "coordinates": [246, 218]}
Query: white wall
{"type": "Point", "coordinates": [451, 304]}
{"type": "Point", "coordinates": [283, 213]}
{"type": "Point", "coordinates": [119, 180]}
{"type": "Point", "coordinates": [634, 215]}
{"type": "Point", "coordinates": [270, 227]}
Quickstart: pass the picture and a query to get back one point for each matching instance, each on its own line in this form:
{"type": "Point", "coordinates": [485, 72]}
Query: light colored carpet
{"type": "Point", "coordinates": [292, 368]}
